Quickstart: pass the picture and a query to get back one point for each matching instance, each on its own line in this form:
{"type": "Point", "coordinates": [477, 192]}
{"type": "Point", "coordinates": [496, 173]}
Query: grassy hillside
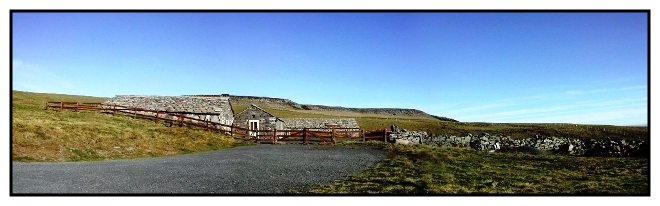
{"type": "Point", "coordinates": [50, 135]}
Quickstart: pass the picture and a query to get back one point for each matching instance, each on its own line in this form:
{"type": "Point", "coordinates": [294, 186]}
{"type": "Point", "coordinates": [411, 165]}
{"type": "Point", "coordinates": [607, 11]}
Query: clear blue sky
{"type": "Point", "coordinates": [585, 68]}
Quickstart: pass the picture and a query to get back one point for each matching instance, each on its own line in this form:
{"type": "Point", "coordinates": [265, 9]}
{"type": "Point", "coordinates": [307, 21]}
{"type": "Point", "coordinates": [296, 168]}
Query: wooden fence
{"type": "Point", "coordinates": [306, 135]}
{"type": "Point", "coordinates": [76, 106]}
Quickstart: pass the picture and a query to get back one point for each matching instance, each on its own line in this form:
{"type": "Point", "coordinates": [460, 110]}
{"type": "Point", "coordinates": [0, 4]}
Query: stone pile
{"type": "Point", "coordinates": [557, 144]}
{"type": "Point", "coordinates": [570, 146]}
{"type": "Point", "coordinates": [413, 137]}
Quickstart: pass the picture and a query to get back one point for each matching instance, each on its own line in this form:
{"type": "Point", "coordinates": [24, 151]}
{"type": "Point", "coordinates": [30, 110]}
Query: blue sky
{"type": "Point", "coordinates": [565, 67]}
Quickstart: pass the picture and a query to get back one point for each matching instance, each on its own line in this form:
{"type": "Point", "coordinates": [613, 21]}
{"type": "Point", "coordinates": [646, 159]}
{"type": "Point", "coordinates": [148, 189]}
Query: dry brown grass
{"type": "Point", "coordinates": [51, 135]}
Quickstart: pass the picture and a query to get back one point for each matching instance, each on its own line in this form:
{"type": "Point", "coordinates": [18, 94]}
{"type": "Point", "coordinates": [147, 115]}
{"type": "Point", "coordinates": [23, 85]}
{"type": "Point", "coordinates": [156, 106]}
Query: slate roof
{"type": "Point", "coordinates": [211, 105]}
{"type": "Point", "coordinates": [259, 108]}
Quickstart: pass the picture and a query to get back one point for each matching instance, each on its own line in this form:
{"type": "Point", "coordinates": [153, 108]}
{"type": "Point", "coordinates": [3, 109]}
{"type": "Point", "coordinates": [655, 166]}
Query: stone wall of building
{"type": "Point", "coordinates": [301, 123]}
{"type": "Point", "coordinates": [266, 120]}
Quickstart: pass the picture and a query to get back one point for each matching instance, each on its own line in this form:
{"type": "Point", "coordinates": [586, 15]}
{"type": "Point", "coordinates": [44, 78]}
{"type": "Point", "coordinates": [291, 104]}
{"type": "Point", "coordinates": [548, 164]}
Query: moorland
{"type": "Point", "coordinates": [39, 135]}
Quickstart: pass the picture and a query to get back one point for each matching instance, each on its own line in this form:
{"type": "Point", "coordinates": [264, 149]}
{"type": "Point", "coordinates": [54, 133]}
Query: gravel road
{"type": "Point", "coordinates": [260, 169]}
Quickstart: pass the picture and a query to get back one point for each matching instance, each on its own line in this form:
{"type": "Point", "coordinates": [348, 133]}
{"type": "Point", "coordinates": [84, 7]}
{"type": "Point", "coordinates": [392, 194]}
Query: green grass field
{"type": "Point", "coordinates": [421, 169]}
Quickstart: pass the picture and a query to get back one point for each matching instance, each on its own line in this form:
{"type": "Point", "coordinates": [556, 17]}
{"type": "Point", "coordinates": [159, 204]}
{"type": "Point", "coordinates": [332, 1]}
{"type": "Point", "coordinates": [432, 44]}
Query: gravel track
{"type": "Point", "coordinates": [260, 169]}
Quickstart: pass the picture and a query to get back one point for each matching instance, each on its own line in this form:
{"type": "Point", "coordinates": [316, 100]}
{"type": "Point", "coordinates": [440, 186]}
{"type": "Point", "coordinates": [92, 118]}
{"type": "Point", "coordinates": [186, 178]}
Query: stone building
{"type": "Point", "coordinates": [215, 109]}
{"type": "Point", "coordinates": [256, 118]}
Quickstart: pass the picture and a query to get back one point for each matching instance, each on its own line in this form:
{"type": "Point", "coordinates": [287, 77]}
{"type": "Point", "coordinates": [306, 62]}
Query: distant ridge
{"type": "Point", "coordinates": [286, 104]}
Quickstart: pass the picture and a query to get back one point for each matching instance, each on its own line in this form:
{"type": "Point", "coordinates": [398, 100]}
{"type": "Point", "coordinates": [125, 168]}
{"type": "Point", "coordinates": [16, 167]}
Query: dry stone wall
{"type": "Point", "coordinates": [571, 146]}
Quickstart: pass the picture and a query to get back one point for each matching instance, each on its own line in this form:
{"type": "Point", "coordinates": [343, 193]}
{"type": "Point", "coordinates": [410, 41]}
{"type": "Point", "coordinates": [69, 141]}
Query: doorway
{"type": "Point", "coordinates": [253, 125]}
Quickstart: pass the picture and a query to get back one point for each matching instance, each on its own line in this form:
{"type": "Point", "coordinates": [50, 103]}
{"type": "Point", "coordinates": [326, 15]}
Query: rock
{"type": "Point", "coordinates": [394, 128]}
{"type": "Point", "coordinates": [565, 148]}
{"type": "Point", "coordinates": [401, 142]}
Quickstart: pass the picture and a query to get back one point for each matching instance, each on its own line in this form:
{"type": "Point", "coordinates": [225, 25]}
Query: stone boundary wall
{"type": "Point", "coordinates": [570, 146]}
{"type": "Point", "coordinates": [215, 109]}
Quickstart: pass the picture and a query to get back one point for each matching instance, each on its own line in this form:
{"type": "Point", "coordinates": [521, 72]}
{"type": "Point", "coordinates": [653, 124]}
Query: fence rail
{"type": "Point", "coordinates": [306, 135]}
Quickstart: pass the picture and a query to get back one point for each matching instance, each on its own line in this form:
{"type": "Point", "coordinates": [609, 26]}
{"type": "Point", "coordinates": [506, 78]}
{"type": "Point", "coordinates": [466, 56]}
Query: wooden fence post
{"type": "Point", "coordinates": [114, 109]}
{"type": "Point", "coordinates": [362, 135]}
{"type": "Point", "coordinates": [231, 129]}
{"type": "Point", "coordinates": [61, 106]}
{"type": "Point", "coordinates": [274, 135]}
{"type": "Point", "coordinates": [46, 106]}
{"type": "Point", "coordinates": [304, 135]}
{"type": "Point", "coordinates": [384, 135]}
{"type": "Point", "coordinates": [77, 105]}
{"type": "Point", "coordinates": [332, 135]}
{"type": "Point", "coordinates": [157, 114]}
{"type": "Point", "coordinates": [134, 112]}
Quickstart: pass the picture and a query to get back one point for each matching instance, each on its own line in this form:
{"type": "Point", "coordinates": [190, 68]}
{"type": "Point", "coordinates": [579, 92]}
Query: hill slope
{"type": "Point", "coordinates": [241, 102]}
